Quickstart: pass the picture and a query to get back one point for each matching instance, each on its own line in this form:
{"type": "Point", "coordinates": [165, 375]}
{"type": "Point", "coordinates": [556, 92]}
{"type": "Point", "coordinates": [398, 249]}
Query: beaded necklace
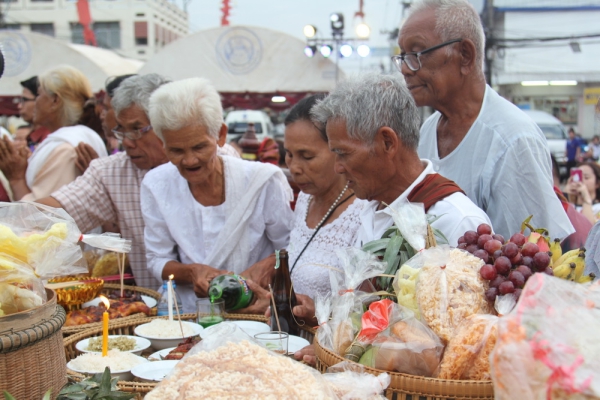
{"type": "Point", "coordinates": [328, 213]}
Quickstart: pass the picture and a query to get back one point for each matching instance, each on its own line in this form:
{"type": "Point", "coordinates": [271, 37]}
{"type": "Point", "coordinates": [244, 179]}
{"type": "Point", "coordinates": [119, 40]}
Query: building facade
{"type": "Point", "coordinates": [132, 28]}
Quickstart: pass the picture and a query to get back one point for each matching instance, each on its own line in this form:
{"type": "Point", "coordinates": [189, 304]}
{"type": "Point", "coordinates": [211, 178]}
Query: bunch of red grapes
{"type": "Point", "coordinates": [507, 265]}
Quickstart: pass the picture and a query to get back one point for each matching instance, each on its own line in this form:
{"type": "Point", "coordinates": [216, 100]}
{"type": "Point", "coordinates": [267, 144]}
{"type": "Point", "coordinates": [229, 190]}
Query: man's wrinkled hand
{"type": "Point", "coordinates": [305, 310]}
{"type": "Point", "coordinates": [85, 155]}
{"type": "Point", "coordinates": [261, 272]}
{"type": "Point", "coordinates": [201, 277]}
{"type": "Point", "coordinates": [307, 354]}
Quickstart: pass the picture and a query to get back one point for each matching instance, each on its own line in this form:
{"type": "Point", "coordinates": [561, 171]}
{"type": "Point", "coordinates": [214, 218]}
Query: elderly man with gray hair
{"type": "Point", "coordinates": [373, 128]}
{"type": "Point", "coordinates": [489, 147]}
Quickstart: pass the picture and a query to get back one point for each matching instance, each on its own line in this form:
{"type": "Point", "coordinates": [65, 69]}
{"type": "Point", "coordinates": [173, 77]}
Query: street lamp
{"type": "Point", "coordinates": [342, 47]}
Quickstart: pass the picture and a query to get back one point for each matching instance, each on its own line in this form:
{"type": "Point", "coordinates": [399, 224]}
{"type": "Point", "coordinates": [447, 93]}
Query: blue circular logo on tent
{"type": "Point", "coordinates": [239, 51]}
{"type": "Point", "coordinates": [17, 52]}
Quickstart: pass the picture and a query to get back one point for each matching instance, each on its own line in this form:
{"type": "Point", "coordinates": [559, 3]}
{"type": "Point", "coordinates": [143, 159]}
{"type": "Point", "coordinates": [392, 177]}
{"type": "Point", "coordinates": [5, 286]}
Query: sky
{"type": "Point", "coordinates": [290, 16]}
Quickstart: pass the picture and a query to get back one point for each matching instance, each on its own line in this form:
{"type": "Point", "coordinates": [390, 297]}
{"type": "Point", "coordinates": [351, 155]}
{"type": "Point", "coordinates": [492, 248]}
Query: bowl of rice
{"type": "Point", "coordinates": [119, 362]}
{"type": "Point", "coordinates": [131, 344]}
{"type": "Point", "coordinates": [163, 333]}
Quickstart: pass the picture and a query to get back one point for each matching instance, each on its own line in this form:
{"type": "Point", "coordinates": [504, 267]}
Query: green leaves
{"type": "Point", "coordinates": [98, 387]}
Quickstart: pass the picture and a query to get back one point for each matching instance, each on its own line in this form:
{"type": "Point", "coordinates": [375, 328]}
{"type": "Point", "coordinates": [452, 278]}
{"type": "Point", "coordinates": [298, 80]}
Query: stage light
{"type": "Point", "coordinates": [362, 30]}
{"type": "Point", "coordinates": [310, 51]}
{"type": "Point", "coordinates": [337, 23]}
{"type": "Point", "coordinates": [326, 50]}
{"type": "Point", "coordinates": [346, 50]}
{"type": "Point", "coordinates": [310, 31]}
{"type": "Point", "coordinates": [363, 50]}
{"type": "Point", "coordinates": [278, 99]}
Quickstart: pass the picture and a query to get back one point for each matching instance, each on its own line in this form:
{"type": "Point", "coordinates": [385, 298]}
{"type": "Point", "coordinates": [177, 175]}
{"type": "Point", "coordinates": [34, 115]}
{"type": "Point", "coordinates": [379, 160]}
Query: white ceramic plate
{"type": "Point", "coordinates": [296, 343]}
{"type": "Point", "coordinates": [252, 327]}
{"type": "Point", "coordinates": [164, 343]}
{"type": "Point", "coordinates": [141, 344]}
{"type": "Point", "coordinates": [157, 356]}
{"type": "Point", "coordinates": [124, 375]}
{"type": "Point", "coordinates": [154, 371]}
{"type": "Point", "coordinates": [150, 301]}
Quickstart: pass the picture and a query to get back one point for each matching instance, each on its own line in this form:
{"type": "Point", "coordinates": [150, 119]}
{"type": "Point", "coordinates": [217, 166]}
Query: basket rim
{"type": "Point", "coordinates": [455, 388]}
{"type": "Point", "coordinates": [16, 340]}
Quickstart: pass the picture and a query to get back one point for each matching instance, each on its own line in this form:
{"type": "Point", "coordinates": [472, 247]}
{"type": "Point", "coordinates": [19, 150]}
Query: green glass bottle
{"type": "Point", "coordinates": [232, 289]}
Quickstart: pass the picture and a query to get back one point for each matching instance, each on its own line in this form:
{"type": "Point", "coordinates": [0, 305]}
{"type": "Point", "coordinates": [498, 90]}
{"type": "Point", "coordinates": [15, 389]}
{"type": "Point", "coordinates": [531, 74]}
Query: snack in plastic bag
{"type": "Point", "coordinates": [108, 264]}
{"type": "Point", "coordinates": [467, 355]}
{"type": "Point", "coordinates": [547, 346]}
{"type": "Point", "coordinates": [20, 288]}
{"type": "Point", "coordinates": [449, 289]}
{"type": "Point", "coordinates": [347, 301]}
{"type": "Point", "coordinates": [406, 346]}
{"type": "Point", "coordinates": [350, 381]}
{"type": "Point", "coordinates": [228, 364]}
{"type": "Point", "coordinates": [322, 312]}
{"type": "Point", "coordinates": [405, 286]}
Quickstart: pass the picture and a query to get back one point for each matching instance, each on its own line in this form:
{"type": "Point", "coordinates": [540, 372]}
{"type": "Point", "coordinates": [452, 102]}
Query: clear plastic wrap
{"type": "Point", "coordinates": [467, 356]}
{"type": "Point", "coordinates": [322, 312]}
{"type": "Point", "coordinates": [548, 346]}
{"type": "Point", "coordinates": [227, 363]}
{"type": "Point", "coordinates": [406, 345]}
{"type": "Point", "coordinates": [20, 288]}
{"type": "Point", "coordinates": [449, 289]}
{"type": "Point", "coordinates": [347, 301]}
{"type": "Point", "coordinates": [405, 283]}
{"type": "Point", "coordinates": [47, 239]}
{"type": "Point", "coordinates": [411, 220]}
{"type": "Point", "coordinates": [351, 382]}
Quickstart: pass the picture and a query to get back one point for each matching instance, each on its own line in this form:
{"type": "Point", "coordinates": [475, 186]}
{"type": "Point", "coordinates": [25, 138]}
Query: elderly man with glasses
{"type": "Point", "coordinates": [484, 143]}
{"type": "Point", "coordinates": [109, 190]}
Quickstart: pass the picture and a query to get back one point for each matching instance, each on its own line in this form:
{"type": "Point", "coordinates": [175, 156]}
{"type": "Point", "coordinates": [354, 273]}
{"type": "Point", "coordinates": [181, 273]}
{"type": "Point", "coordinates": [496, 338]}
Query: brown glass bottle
{"type": "Point", "coordinates": [284, 296]}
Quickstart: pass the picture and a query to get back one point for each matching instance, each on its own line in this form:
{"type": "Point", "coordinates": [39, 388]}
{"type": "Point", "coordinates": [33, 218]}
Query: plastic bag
{"type": "Point", "coordinates": [347, 301]}
{"type": "Point", "coordinates": [350, 381]}
{"type": "Point", "coordinates": [20, 288]}
{"type": "Point", "coordinates": [227, 363]}
{"type": "Point", "coordinates": [468, 352]}
{"type": "Point", "coordinates": [405, 283]}
{"type": "Point", "coordinates": [47, 239]}
{"type": "Point", "coordinates": [406, 346]}
{"type": "Point", "coordinates": [547, 347]}
{"type": "Point", "coordinates": [449, 289]}
{"type": "Point", "coordinates": [322, 312]}
{"type": "Point", "coordinates": [411, 221]}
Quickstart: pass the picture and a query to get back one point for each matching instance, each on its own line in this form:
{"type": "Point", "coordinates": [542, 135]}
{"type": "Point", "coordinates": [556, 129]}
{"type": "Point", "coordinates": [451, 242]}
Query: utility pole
{"type": "Point", "coordinates": [490, 40]}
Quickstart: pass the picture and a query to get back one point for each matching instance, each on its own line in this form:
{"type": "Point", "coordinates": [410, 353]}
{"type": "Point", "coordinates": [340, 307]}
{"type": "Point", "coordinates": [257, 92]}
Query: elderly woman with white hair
{"type": "Point", "coordinates": [59, 106]}
{"type": "Point", "coordinates": [205, 214]}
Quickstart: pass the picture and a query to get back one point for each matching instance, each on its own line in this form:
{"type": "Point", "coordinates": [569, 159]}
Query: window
{"type": "Point", "coordinates": [45, 29]}
{"type": "Point", "coordinates": [11, 27]}
{"type": "Point", "coordinates": [108, 34]}
{"type": "Point", "coordinates": [140, 29]}
{"type": "Point", "coordinates": [141, 41]}
{"type": "Point", "coordinates": [140, 15]}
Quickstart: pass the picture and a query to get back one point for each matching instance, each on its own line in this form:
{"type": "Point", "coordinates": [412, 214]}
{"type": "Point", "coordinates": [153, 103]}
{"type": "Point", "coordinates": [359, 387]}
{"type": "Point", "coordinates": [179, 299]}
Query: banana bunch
{"type": "Point", "coordinates": [570, 265]}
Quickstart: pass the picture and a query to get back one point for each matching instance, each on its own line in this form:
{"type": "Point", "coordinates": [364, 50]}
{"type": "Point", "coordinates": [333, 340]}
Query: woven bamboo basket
{"type": "Point", "coordinates": [31, 351]}
{"type": "Point", "coordinates": [410, 387]}
{"type": "Point", "coordinates": [72, 298]}
{"type": "Point", "coordinates": [122, 327]}
{"type": "Point", "coordinates": [107, 289]}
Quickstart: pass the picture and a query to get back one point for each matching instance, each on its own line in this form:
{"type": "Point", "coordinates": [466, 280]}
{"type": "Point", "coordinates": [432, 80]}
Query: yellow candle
{"type": "Point", "coordinates": [105, 326]}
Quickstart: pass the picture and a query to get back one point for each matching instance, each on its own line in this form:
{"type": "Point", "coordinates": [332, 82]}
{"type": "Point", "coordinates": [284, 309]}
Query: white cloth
{"type": "Point", "coordinates": [310, 275]}
{"type": "Point", "coordinates": [254, 220]}
{"type": "Point", "coordinates": [72, 135]}
{"type": "Point", "coordinates": [503, 165]}
{"type": "Point", "coordinates": [457, 214]}
{"type": "Point", "coordinates": [595, 209]}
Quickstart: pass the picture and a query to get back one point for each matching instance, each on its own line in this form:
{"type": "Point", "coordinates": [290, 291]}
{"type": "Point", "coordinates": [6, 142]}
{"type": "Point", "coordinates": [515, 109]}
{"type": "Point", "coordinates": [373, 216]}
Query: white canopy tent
{"type": "Point", "coordinates": [28, 54]}
{"type": "Point", "coordinates": [246, 59]}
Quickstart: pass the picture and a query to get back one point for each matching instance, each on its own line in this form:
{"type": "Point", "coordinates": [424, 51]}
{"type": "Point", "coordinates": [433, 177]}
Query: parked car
{"type": "Point", "coordinates": [556, 135]}
{"type": "Point", "coordinates": [237, 124]}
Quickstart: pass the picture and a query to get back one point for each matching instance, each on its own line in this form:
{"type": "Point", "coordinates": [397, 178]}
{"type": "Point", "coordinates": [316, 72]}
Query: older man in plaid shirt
{"type": "Point", "coordinates": [109, 190]}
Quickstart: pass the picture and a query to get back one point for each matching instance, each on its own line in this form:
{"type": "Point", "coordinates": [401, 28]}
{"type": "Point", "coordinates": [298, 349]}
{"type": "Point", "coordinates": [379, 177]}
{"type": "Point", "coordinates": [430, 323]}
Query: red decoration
{"type": "Point", "coordinates": [85, 19]}
{"type": "Point", "coordinates": [225, 9]}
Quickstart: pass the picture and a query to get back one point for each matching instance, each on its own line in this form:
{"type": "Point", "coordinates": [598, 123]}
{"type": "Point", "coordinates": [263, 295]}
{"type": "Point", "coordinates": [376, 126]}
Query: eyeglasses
{"type": "Point", "coordinates": [413, 60]}
{"type": "Point", "coordinates": [132, 135]}
{"type": "Point", "coordinates": [21, 100]}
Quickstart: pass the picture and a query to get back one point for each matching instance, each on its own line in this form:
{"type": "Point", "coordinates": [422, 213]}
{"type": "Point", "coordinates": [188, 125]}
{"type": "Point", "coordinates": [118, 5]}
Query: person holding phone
{"type": "Point", "coordinates": [583, 189]}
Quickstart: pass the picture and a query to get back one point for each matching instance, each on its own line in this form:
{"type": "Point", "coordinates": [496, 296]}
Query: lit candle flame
{"type": "Point", "coordinates": [105, 301]}
{"type": "Point", "coordinates": [171, 277]}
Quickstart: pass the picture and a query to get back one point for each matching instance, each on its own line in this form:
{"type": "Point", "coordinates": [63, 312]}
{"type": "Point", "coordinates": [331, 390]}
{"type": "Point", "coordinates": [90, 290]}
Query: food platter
{"type": "Point", "coordinates": [252, 327]}
{"type": "Point", "coordinates": [150, 302]}
{"type": "Point", "coordinates": [154, 371]}
{"type": "Point", "coordinates": [122, 375]}
{"type": "Point", "coordinates": [160, 355]}
{"type": "Point", "coordinates": [141, 344]}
